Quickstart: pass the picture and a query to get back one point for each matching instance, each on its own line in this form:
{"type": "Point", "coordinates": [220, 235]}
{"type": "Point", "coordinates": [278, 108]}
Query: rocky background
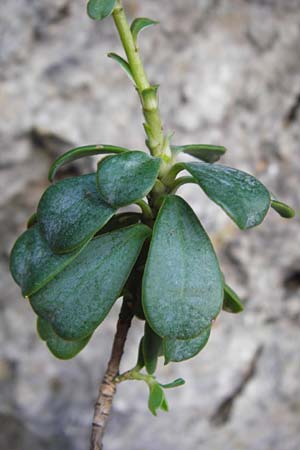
{"type": "Point", "coordinates": [230, 74]}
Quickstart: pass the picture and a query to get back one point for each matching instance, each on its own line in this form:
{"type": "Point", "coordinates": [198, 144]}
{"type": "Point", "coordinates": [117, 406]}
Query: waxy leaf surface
{"type": "Point", "coordinates": [60, 348]}
{"type": "Point", "coordinates": [177, 350]}
{"type": "Point", "coordinates": [32, 262]}
{"type": "Point", "coordinates": [77, 300]}
{"type": "Point", "coordinates": [126, 178]}
{"type": "Point", "coordinates": [283, 209]}
{"type": "Point", "coordinates": [231, 302]}
{"type": "Point", "coordinates": [152, 348]}
{"type": "Point", "coordinates": [82, 152]}
{"type": "Point", "coordinates": [99, 9]}
{"type": "Point", "coordinates": [182, 283]}
{"type": "Point", "coordinates": [71, 211]}
{"type": "Point", "coordinates": [207, 153]}
{"type": "Point", "coordinates": [242, 197]}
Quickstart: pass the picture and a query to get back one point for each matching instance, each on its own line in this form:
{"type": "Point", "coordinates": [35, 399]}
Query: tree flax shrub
{"type": "Point", "coordinates": [80, 253]}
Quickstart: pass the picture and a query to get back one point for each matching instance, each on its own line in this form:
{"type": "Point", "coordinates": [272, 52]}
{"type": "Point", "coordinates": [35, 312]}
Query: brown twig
{"type": "Point", "coordinates": [107, 388]}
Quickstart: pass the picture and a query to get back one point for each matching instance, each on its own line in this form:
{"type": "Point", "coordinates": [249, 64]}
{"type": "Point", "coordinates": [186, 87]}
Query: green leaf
{"type": "Point", "coordinates": [124, 65]}
{"type": "Point", "coordinates": [240, 195]}
{"type": "Point", "coordinates": [60, 348]}
{"type": "Point", "coordinates": [140, 24]}
{"type": "Point", "coordinates": [82, 152]}
{"type": "Point", "coordinates": [231, 302]}
{"type": "Point", "coordinates": [126, 178]}
{"type": "Point", "coordinates": [182, 283]}
{"type": "Point", "coordinates": [164, 405]}
{"type": "Point", "coordinates": [156, 398]}
{"type": "Point", "coordinates": [32, 262]}
{"type": "Point", "coordinates": [207, 153]}
{"type": "Point", "coordinates": [71, 211]}
{"type": "Point", "coordinates": [178, 350]}
{"type": "Point", "coordinates": [140, 361]}
{"type": "Point", "coordinates": [176, 383]}
{"type": "Point", "coordinates": [78, 299]}
{"type": "Point", "coordinates": [99, 9]}
{"type": "Point", "coordinates": [283, 209]}
{"type": "Point", "coordinates": [152, 347]}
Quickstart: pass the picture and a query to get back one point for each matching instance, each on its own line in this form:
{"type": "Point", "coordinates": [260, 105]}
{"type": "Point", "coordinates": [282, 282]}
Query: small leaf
{"type": "Point", "coordinates": [207, 153]}
{"type": "Point", "coordinates": [177, 350]}
{"type": "Point", "coordinates": [126, 178]}
{"type": "Point", "coordinates": [79, 298]}
{"type": "Point", "coordinates": [71, 211]}
{"type": "Point", "coordinates": [124, 65]}
{"type": "Point", "coordinates": [32, 262]}
{"type": "Point", "coordinates": [182, 283]}
{"type": "Point", "coordinates": [60, 348]}
{"type": "Point", "coordinates": [240, 195]}
{"type": "Point", "coordinates": [231, 302]}
{"type": "Point", "coordinates": [82, 152]}
{"type": "Point", "coordinates": [152, 348]}
{"type": "Point", "coordinates": [176, 383]}
{"type": "Point", "coordinates": [164, 405]}
{"type": "Point", "coordinates": [99, 9]}
{"type": "Point", "coordinates": [140, 24]}
{"type": "Point", "coordinates": [283, 209]}
{"type": "Point", "coordinates": [156, 398]}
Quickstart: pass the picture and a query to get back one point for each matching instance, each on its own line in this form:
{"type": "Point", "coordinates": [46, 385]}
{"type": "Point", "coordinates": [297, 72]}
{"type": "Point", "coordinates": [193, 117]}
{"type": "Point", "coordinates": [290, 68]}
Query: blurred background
{"type": "Point", "coordinates": [230, 74]}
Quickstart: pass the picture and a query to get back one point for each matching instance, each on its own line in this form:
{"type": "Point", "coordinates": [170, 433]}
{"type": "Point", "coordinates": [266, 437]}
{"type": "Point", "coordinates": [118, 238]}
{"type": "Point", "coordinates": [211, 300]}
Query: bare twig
{"type": "Point", "coordinates": [107, 388]}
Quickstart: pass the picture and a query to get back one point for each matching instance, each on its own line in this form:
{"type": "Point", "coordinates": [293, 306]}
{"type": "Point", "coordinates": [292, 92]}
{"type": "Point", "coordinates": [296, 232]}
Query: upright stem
{"type": "Point", "coordinates": [156, 141]}
{"type": "Point", "coordinates": [108, 386]}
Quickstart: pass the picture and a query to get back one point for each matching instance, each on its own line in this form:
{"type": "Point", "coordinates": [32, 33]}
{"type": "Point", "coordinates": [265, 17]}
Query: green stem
{"type": "Point", "coordinates": [156, 141]}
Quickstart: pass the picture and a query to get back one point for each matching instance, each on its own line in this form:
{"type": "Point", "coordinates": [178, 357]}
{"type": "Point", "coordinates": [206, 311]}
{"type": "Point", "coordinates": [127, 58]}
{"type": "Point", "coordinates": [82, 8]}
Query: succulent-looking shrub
{"type": "Point", "coordinates": [80, 253]}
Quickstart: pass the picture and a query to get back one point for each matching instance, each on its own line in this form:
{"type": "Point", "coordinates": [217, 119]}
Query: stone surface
{"type": "Point", "coordinates": [230, 75]}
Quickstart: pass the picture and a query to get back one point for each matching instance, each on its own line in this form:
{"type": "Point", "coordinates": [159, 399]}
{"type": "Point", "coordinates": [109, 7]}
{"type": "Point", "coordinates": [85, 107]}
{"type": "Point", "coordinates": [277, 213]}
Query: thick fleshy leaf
{"type": "Point", "coordinates": [126, 178]}
{"type": "Point", "coordinates": [231, 302]}
{"type": "Point", "coordinates": [123, 64]}
{"type": "Point", "coordinates": [207, 153]}
{"type": "Point", "coordinates": [177, 350]}
{"type": "Point", "coordinates": [140, 24]}
{"type": "Point", "coordinates": [32, 262]}
{"type": "Point", "coordinates": [71, 211]}
{"type": "Point", "coordinates": [176, 383]}
{"type": "Point", "coordinates": [82, 152]}
{"type": "Point", "coordinates": [60, 348]}
{"type": "Point", "coordinates": [152, 348]}
{"type": "Point", "coordinates": [99, 9]}
{"type": "Point", "coordinates": [240, 195]}
{"type": "Point", "coordinates": [182, 283]}
{"type": "Point", "coordinates": [156, 398]}
{"type": "Point", "coordinates": [283, 209]}
{"type": "Point", "coordinates": [78, 299]}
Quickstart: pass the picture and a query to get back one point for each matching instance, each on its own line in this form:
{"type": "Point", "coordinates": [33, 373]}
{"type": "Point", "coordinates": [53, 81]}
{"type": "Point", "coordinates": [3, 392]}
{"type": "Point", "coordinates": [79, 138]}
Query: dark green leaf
{"type": "Point", "coordinates": [283, 209]}
{"type": "Point", "coordinates": [182, 283]}
{"type": "Point", "coordinates": [156, 398]}
{"type": "Point", "coordinates": [240, 195]}
{"type": "Point", "coordinates": [60, 348]}
{"type": "Point", "coordinates": [126, 178]}
{"type": "Point", "coordinates": [99, 9]}
{"type": "Point", "coordinates": [164, 405]}
{"type": "Point", "coordinates": [140, 24]}
{"type": "Point", "coordinates": [140, 361]}
{"type": "Point", "coordinates": [32, 262]}
{"type": "Point", "coordinates": [71, 211]}
{"type": "Point", "coordinates": [173, 384]}
{"type": "Point", "coordinates": [231, 302]}
{"type": "Point", "coordinates": [78, 299]}
{"type": "Point", "coordinates": [121, 220]}
{"type": "Point", "coordinates": [178, 350]}
{"type": "Point", "coordinates": [207, 153]}
{"type": "Point", "coordinates": [124, 65]}
{"type": "Point", "coordinates": [82, 152]}
{"type": "Point", "coordinates": [32, 220]}
{"type": "Point", "coordinates": [152, 347]}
